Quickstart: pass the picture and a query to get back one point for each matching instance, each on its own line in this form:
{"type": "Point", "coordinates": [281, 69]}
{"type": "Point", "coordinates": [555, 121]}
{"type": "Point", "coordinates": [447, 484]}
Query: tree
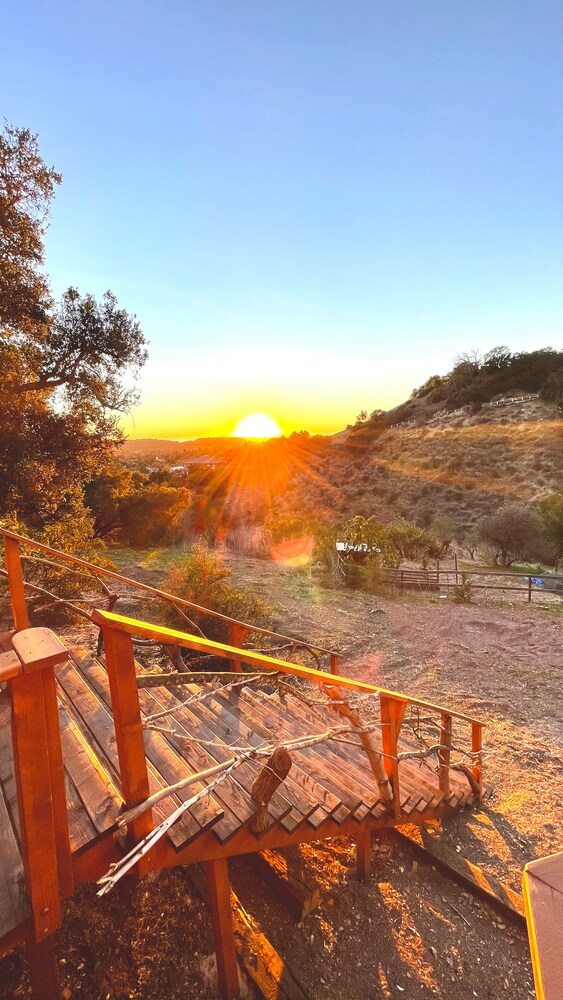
{"type": "Point", "coordinates": [61, 367]}
{"type": "Point", "coordinates": [511, 531]}
{"type": "Point", "coordinates": [27, 186]}
{"type": "Point", "coordinates": [551, 513]}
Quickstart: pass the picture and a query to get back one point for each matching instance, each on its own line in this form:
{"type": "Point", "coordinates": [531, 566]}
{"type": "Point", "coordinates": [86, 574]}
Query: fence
{"type": "Point", "coordinates": [444, 580]}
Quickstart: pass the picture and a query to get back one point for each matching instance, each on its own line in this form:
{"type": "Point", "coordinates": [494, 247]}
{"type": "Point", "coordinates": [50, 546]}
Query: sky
{"type": "Point", "coordinates": [310, 205]}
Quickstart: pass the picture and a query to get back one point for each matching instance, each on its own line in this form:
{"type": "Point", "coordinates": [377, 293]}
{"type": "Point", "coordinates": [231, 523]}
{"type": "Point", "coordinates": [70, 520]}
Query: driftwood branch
{"type": "Point", "coordinates": [203, 677]}
{"type": "Point", "coordinates": [275, 770]}
{"type": "Point", "coordinates": [373, 753]}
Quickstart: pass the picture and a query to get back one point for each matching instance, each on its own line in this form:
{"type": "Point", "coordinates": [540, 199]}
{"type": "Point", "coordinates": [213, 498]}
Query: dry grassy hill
{"type": "Point", "coordinates": [460, 463]}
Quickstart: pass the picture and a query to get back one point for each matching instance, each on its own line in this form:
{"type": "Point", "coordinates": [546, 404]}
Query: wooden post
{"type": "Point", "coordinates": [455, 564]}
{"type": "Point", "coordinates": [128, 726]}
{"type": "Point", "coordinates": [444, 755]}
{"type": "Point", "coordinates": [529, 590]}
{"type": "Point", "coordinates": [364, 866]}
{"type": "Point", "coordinates": [392, 713]}
{"type": "Point", "coordinates": [15, 583]}
{"type": "Point", "coordinates": [30, 737]}
{"type": "Point", "coordinates": [237, 635]}
{"type": "Point", "coordinates": [334, 664]}
{"type": "Point", "coordinates": [222, 920]}
{"type": "Point", "coordinates": [477, 746]}
{"type": "Point", "coordinates": [58, 788]}
{"type": "Point", "coordinates": [43, 970]}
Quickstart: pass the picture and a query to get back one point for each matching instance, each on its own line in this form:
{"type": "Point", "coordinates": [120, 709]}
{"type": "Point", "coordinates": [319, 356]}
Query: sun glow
{"type": "Point", "coordinates": [258, 426]}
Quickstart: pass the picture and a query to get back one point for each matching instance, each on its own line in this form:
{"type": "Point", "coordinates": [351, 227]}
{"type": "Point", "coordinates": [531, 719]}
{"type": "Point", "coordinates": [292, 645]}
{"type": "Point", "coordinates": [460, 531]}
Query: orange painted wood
{"type": "Point", "coordinates": [30, 736]}
{"type": "Point", "coordinates": [38, 649]}
{"type": "Point", "coordinates": [10, 665]}
{"type": "Point", "coordinates": [543, 904]}
{"type": "Point", "coordinates": [237, 635]}
{"type": "Point", "coordinates": [57, 776]}
{"type": "Point", "coordinates": [128, 727]}
{"type": "Point", "coordinates": [15, 582]}
{"type": "Point", "coordinates": [392, 714]}
{"type": "Point", "coordinates": [43, 970]}
{"type": "Point", "coordinates": [444, 755]}
{"type": "Point", "coordinates": [477, 746]}
{"type": "Point", "coordinates": [222, 920]}
{"type": "Point", "coordinates": [364, 867]}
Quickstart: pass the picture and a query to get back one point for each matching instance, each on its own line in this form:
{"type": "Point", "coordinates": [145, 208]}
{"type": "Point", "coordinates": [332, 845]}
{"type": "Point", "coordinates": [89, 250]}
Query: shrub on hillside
{"type": "Point", "coordinates": [514, 531]}
{"type": "Point", "coordinates": [203, 579]}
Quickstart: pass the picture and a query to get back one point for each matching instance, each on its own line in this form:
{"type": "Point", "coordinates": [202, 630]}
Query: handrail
{"type": "Point", "coordinates": [172, 598]}
{"type": "Point", "coordinates": [161, 633]}
{"type": "Point", "coordinates": [118, 632]}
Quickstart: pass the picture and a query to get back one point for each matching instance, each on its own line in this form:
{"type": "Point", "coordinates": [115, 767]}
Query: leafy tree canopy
{"type": "Point", "coordinates": [62, 366]}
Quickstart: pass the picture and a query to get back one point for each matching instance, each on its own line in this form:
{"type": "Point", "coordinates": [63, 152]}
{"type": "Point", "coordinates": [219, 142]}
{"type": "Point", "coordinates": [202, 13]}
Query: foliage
{"type": "Point", "coordinates": [372, 576]}
{"type": "Point", "coordinates": [444, 529]}
{"type": "Point", "coordinates": [474, 380]}
{"type": "Point", "coordinates": [461, 593]}
{"type": "Point", "coordinates": [202, 578]}
{"type": "Point", "coordinates": [131, 509]}
{"type": "Point", "coordinates": [410, 541]}
{"type": "Point", "coordinates": [512, 532]}
{"type": "Point", "coordinates": [551, 513]}
{"type": "Point", "coordinates": [61, 368]}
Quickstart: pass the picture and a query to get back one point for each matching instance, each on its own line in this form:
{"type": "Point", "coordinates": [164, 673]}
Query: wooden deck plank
{"type": "Point", "coordinates": [318, 761]}
{"type": "Point", "coordinates": [252, 731]}
{"type": "Point", "coordinates": [99, 796]}
{"type": "Point", "coordinates": [198, 759]}
{"type": "Point", "coordinates": [15, 907]}
{"type": "Point", "coordinates": [350, 761]}
{"type": "Point", "coordinates": [268, 723]}
{"type": "Point", "coordinates": [96, 725]}
{"type": "Point", "coordinates": [168, 763]}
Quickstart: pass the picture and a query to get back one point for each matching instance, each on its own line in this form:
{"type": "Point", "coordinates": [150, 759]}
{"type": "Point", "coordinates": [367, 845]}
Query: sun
{"type": "Point", "coordinates": [258, 426]}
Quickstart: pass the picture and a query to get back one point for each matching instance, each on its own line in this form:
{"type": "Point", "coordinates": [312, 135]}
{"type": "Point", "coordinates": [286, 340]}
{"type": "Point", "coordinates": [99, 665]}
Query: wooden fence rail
{"type": "Point", "coordinates": [402, 580]}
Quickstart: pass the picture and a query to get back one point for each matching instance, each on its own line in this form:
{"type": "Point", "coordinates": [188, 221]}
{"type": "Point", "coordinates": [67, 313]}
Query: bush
{"type": "Point", "coordinates": [461, 594]}
{"type": "Point", "coordinates": [203, 579]}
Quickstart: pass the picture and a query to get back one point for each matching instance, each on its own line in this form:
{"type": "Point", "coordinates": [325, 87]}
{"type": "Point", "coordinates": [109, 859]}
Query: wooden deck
{"type": "Point", "coordinates": [331, 783]}
{"type": "Point", "coordinates": [84, 738]}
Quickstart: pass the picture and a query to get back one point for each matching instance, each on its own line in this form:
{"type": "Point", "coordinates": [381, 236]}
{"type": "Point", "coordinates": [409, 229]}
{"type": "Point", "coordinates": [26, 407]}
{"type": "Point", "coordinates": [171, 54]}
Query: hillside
{"type": "Point", "coordinates": [460, 463]}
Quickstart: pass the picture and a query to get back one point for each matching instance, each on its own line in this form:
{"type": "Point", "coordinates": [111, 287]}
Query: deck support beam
{"type": "Point", "coordinates": [43, 970]}
{"type": "Point", "coordinates": [222, 919]}
{"type": "Point", "coordinates": [364, 863]}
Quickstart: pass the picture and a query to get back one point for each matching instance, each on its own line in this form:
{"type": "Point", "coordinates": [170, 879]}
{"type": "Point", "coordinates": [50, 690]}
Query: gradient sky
{"type": "Point", "coordinates": [310, 205]}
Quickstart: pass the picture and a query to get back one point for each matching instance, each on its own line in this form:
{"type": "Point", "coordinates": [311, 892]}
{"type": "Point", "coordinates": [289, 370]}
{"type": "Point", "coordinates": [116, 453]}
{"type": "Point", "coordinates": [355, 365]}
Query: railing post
{"type": "Point", "coordinates": [444, 755]}
{"type": "Point", "coordinates": [237, 635]}
{"type": "Point", "coordinates": [529, 590]}
{"type": "Point", "coordinates": [120, 664]}
{"type": "Point", "coordinates": [15, 583]}
{"type": "Point", "coordinates": [30, 738]}
{"type": "Point", "coordinates": [477, 746]}
{"type": "Point", "coordinates": [334, 664]}
{"type": "Point", "coordinates": [392, 713]}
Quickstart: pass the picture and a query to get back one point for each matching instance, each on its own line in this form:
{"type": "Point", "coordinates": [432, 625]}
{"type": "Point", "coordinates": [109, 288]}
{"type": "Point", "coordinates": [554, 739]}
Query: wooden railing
{"type": "Point", "coordinates": [118, 633]}
{"type": "Point", "coordinates": [238, 631]}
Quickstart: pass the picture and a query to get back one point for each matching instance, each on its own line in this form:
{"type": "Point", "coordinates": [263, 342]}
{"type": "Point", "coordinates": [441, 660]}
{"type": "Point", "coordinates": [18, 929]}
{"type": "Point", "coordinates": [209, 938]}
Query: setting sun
{"type": "Point", "coordinates": [257, 425]}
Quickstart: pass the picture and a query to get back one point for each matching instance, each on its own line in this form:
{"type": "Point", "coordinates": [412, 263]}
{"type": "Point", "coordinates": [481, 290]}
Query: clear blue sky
{"type": "Point", "coordinates": [311, 205]}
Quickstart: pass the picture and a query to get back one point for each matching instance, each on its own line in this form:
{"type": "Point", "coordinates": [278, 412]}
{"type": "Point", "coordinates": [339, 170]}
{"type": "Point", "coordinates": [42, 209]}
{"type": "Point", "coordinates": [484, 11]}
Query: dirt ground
{"type": "Point", "coordinates": [409, 932]}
